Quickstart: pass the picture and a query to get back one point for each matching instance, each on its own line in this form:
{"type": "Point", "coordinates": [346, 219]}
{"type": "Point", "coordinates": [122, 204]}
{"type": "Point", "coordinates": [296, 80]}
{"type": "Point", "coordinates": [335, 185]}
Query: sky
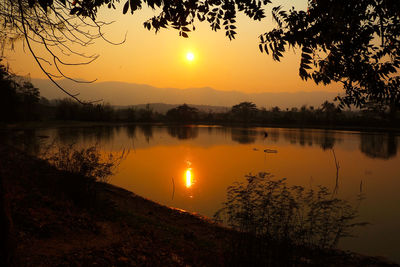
{"type": "Point", "coordinates": [160, 59]}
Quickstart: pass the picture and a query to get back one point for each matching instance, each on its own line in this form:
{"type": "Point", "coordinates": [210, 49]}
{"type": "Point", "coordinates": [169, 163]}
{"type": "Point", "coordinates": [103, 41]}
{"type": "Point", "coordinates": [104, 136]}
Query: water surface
{"type": "Point", "coordinates": [191, 167]}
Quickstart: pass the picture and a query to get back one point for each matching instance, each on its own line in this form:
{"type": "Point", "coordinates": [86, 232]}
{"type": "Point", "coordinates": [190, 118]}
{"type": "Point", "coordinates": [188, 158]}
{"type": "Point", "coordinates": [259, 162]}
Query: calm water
{"type": "Point", "coordinates": [199, 163]}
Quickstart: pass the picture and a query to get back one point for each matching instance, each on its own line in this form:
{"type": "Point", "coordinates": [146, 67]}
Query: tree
{"type": "Point", "coordinates": [60, 25]}
{"type": "Point", "coordinates": [57, 26]}
{"type": "Point", "coordinates": [183, 113]}
{"type": "Point", "coordinates": [244, 111]}
{"type": "Point", "coordinates": [355, 42]}
{"type": "Point", "coordinates": [18, 98]}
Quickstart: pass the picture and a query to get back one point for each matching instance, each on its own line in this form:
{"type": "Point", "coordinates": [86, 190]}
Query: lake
{"type": "Point", "coordinates": [190, 168]}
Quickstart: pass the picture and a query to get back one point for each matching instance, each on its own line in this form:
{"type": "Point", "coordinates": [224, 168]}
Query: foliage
{"type": "Point", "coordinates": [355, 43]}
{"type": "Point", "coordinates": [88, 162]}
{"type": "Point", "coordinates": [18, 98]}
{"type": "Point", "coordinates": [67, 109]}
{"type": "Point", "coordinates": [177, 14]}
{"type": "Point", "coordinates": [183, 113]}
{"type": "Point", "coordinates": [275, 212]}
{"type": "Point", "coordinates": [244, 110]}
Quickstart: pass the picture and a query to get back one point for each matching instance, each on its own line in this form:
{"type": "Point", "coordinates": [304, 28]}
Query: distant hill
{"type": "Point", "coordinates": [124, 94]}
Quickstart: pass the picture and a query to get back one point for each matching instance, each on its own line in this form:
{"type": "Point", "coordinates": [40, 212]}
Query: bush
{"type": "Point", "coordinates": [274, 212]}
{"type": "Point", "coordinates": [88, 162]}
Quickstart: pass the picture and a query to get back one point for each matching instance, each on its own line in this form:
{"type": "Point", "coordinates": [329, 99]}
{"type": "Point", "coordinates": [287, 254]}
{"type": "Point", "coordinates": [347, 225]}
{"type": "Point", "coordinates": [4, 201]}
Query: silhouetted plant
{"type": "Point", "coordinates": [273, 212]}
{"type": "Point", "coordinates": [88, 162]}
{"type": "Point", "coordinates": [18, 97]}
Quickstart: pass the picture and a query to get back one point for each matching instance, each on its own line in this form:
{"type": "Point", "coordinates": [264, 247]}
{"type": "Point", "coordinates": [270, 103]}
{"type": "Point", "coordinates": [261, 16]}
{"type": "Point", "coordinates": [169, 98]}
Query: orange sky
{"type": "Point", "coordinates": [160, 59]}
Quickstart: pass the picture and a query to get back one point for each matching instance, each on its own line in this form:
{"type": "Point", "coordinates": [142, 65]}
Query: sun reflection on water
{"type": "Point", "coordinates": [189, 177]}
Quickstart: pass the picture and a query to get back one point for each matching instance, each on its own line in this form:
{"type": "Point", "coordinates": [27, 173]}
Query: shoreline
{"type": "Point", "coordinates": [65, 124]}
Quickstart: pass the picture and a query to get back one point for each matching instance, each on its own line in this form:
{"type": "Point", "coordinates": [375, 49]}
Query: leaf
{"type": "Point", "coordinates": [186, 29]}
{"type": "Point", "coordinates": [73, 11]}
{"type": "Point", "coordinates": [306, 50]}
{"type": "Point", "coordinates": [184, 34]}
{"type": "Point", "coordinates": [266, 49]}
{"type": "Point", "coordinates": [43, 4]}
{"type": "Point", "coordinates": [126, 7]}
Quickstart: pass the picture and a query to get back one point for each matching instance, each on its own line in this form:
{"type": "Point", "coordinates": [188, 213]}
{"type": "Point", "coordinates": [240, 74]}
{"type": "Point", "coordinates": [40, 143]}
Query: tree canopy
{"type": "Point", "coordinates": [355, 43]}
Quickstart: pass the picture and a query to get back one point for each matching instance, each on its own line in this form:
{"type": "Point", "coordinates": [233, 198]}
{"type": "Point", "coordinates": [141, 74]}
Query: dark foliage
{"type": "Point", "coordinates": [244, 111]}
{"type": "Point", "coordinates": [179, 15]}
{"type": "Point", "coordinates": [70, 110]}
{"type": "Point", "coordinates": [282, 223]}
{"type": "Point", "coordinates": [354, 42]}
{"type": "Point", "coordinates": [19, 99]}
{"type": "Point", "coordinates": [183, 114]}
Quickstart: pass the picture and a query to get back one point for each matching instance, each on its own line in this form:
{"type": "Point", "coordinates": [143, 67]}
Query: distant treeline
{"type": "Point", "coordinates": [21, 101]}
{"type": "Point", "coordinates": [246, 113]}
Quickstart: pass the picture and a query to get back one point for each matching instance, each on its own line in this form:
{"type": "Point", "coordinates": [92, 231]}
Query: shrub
{"type": "Point", "coordinates": [274, 212]}
{"type": "Point", "coordinates": [88, 162]}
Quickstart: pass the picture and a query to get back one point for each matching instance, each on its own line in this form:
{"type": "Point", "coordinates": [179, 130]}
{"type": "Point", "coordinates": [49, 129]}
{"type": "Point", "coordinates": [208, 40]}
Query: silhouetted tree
{"type": "Point", "coordinates": [18, 97]}
{"type": "Point", "coordinates": [354, 42]}
{"type": "Point", "coordinates": [183, 113]}
{"type": "Point", "coordinates": [244, 111]}
{"type": "Point", "coordinates": [330, 110]}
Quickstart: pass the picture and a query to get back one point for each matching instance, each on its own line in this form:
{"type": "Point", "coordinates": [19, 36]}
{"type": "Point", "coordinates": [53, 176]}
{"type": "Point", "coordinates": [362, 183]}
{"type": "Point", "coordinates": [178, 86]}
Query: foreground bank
{"type": "Point", "coordinates": [63, 219]}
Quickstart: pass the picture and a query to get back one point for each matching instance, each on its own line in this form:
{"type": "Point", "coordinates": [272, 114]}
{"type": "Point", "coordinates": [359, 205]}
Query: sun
{"type": "Point", "coordinates": [189, 56]}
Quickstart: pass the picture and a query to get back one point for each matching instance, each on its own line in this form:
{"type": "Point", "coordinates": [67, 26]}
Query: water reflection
{"type": "Point", "coordinates": [189, 177]}
{"type": "Point", "coordinates": [304, 158]}
{"type": "Point", "coordinates": [382, 146]}
{"type": "Point", "coordinates": [27, 140]}
{"type": "Point", "coordinates": [94, 134]}
{"type": "Point", "coordinates": [325, 139]}
{"type": "Point", "coordinates": [131, 131]}
{"type": "Point", "coordinates": [147, 130]}
{"type": "Point", "coordinates": [183, 132]}
{"type": "Point", "coordinates": [244, 136]}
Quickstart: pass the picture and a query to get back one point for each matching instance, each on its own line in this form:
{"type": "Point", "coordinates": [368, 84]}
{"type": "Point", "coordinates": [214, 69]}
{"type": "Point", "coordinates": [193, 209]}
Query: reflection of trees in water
{"type": "Point", "coordinates": [26, 140]}
{"type": "Point", "coordinates": [147, 131]}
{"type": "Point", "coordinates": [130, 131]}
{"type": "Point", "coordinates": [378, 145]}
{"type": "Point", "coordinates": [85, 134]}
{"type": "Point", "coordinates": [222, 131]}
{"type": "Point", "coordinates": [243, 136]}
{"type": "Point", "coordinates": [183, 132]}
{"type": "Point", "coordinates": [326, 139]}
{"type": "Point", "coordinates": [273, 135]}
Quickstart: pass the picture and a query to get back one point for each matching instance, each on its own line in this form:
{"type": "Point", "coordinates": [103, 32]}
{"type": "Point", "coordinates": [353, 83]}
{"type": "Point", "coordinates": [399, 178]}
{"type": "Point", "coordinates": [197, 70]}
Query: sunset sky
{"type": "Point", "coordinates": [161, 59]}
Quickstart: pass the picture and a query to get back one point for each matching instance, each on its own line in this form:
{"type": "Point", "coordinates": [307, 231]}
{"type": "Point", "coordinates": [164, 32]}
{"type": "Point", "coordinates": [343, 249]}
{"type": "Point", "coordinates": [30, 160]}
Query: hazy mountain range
{"type": "Point", "coordinates": [126, 94]}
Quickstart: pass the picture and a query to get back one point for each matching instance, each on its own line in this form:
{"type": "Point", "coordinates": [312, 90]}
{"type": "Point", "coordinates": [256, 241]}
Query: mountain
{"type": "Point", "coordinates": [124, 94]}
